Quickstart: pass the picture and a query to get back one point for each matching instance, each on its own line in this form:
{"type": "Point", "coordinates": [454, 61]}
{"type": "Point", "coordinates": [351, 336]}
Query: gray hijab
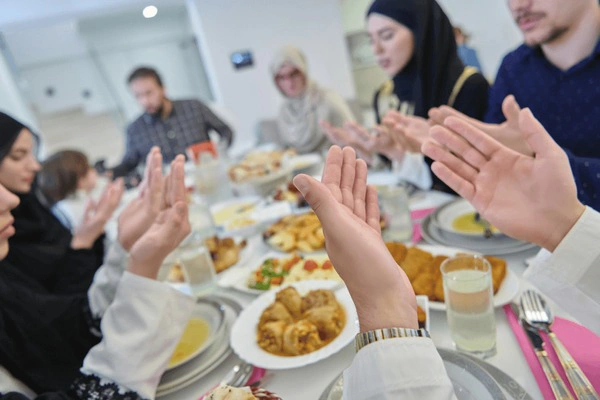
{"type": "Point", "coordinates": [299, 117]}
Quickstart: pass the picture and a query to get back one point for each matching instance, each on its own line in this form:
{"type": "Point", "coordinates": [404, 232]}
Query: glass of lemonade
{"type": "Point", "coordinates": [470, 304]}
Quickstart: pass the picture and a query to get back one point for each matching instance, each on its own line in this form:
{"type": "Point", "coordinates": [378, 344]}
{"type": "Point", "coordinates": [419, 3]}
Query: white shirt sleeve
{"type": "Point", "coordinates": [104, 286]}
{"type": "Point", "coordinates": [403, 368]}
{"type": "Point", "coordinates": [570, 276]}
{"type": "Point", "coordinates": [413, 169]}
{"type": "Point", "coordinates": [141, 329]}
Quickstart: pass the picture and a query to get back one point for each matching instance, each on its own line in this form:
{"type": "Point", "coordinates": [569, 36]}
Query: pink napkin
{"type": "Point", "coordinates": [417, 216]}
{"type": "Point", "coordinates": [582, 343]}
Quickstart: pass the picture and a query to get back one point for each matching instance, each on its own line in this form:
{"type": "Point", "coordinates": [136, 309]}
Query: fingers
{"type": "Point", "coordinates": [537, 137]}
{"type": "Point", "coordinates": [359, 190]}
{"type": "Point", "coordinates": [153, 158]}
{"type": "Point", "coordinates": [347, 178]}
{"type": "Point", "coordinates": [435, 151]}
{"type": "Point", "coordinates": [459, 146]}
{"type": "Point", "coordinates": [372, 207]}
{"type": "Point", "coordinates": [478, 139]}
{"type": "Point", "coordinates": [457, 183]}
{"type": "Point", "coordinates": [316, 194]}
{"type": "Point", "coordinates": [154, 194]}
{"type": "Point", "coordinates": [510, 108]}
{"type": "Point", "coordinates": [176, 184]}
{"type": "Point", "coordinates": [332, 172]}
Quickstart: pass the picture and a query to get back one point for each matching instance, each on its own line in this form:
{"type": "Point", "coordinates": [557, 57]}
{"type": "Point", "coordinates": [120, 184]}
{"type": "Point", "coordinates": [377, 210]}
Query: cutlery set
{"type": "Point", "coordinates": [534, 316]}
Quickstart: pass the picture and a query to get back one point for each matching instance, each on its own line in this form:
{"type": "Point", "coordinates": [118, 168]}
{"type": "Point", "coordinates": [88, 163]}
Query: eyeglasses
{"type": "Point", "coordinates": [295, 74]}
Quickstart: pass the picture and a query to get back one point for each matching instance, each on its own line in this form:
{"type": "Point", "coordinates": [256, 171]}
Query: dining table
{"type": "Point", "coordinates": [309, 382]}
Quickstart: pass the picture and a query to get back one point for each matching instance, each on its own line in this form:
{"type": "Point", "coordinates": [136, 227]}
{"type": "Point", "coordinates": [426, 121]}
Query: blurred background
{"type": "Point", "coordinates": [64, 63]}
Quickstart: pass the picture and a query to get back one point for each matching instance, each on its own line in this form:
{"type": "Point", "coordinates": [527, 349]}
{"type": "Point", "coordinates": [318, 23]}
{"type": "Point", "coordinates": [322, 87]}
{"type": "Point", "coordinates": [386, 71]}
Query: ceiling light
{"type": "Point", "coordinates": [150, 11]}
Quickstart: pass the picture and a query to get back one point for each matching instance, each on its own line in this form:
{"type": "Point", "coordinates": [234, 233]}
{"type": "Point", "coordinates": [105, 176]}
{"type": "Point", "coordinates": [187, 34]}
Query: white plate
{"type": "Point", "coordinates": [445, 216]}
{"type": "Point", "coordinates": [231, 209]}
{"type": "Point", "coordinates": [507, 291]}
{"type": "Point", "coordinates": [241, 283]}
{"type": "Point", "coordinates": [243, 334]}
{"type": "Point", "coordinates": [503, 245]}
{"type": "Point", "coordinates": [470, 381]}
{"type": "Point", "coordinates": [305, 163]}
{"type": "Point", "coordinates": [185, 375]}
{"type": "Point", "coordinates": [214, 315]}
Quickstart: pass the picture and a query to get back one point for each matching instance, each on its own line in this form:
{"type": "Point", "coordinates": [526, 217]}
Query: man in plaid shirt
{"type": "Point", "coordinates": [173, 125]}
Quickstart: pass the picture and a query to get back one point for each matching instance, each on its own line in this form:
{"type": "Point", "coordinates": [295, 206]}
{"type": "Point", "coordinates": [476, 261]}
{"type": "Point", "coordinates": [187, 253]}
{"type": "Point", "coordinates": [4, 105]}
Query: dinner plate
{"type": "Point", "coordinates": [470, 380]}
{"type": "Point", "coordinates": [243, 333]}
{"type": "Point", "coordinates": [445, 216]}
{"type": "Point", "coordinates": [226, 211]}
{"type": "Point", "coordinates": [241, 283]}
{"type": "Point", "coordinates": [184, 375]}
{"type": "Point", "coordinates": [507, 291]}
{"type": "Point", "coordinates": [305, 163]}
{"type": "Point", "coordinates": [214, 315]}
{"type": "Point", "coordinates": [497, 246]}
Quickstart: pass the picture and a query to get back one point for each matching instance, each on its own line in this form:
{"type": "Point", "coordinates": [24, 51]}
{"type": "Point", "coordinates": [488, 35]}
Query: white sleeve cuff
{"type": "Point", "coordinates": [570, 274]}
{"type": "Point", "coordinates": [141, 329]}
{"type": "Point", "coordinates": [403, 368]}
{"type": "Point", "coordinates": [413, 169]}
{"type": "Point", "coordinates": [104, 286]}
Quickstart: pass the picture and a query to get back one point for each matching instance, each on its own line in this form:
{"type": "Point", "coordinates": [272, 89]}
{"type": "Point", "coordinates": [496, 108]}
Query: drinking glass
{"type": "Point", "coordinates": [470, 304]}
{"type": "Point", "coordinates": [199, 270]}
{"type": "Point", "coordinates": [396, 214]}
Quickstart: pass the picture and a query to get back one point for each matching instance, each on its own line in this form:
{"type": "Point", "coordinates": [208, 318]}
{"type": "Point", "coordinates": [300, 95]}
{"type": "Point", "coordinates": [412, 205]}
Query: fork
{"type": "Point", "coordinates": [539, 315]}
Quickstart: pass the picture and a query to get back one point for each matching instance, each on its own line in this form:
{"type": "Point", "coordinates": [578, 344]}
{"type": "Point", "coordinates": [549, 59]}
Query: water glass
{"type": "Point", "coordinates": [470, 304]}
{"type": "Point", "coordinates": [396, 214]}
{"type": "Point", "coordinates": [199, 270]}
{"type": "Point", "coordinates": [201, 220]}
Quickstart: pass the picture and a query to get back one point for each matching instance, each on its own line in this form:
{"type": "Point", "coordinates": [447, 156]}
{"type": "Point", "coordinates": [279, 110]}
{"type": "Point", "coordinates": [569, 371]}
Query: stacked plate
{"type": "Point", "coordinates": [455, 224]}
{"type": "Point", "coordinates": [220, 313]}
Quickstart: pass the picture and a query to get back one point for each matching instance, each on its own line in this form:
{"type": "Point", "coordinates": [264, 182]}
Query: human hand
{"type": "Point", "coordinates": [167, 231]}
{"type": "Point", "coordinates": [531, 198]}
{"type": "Point", "coordinates": [140, 213]}
{"type": "Point", "coordinates": [352, 135]}
{"type": "Point", "coordinates": [96, 215]}
{"type": "Point", "coordinates": [349, 213]}
{"type": "Point", "coordinates": [507, 133]}
{"type": "Point", "coordinates": [411, 131]}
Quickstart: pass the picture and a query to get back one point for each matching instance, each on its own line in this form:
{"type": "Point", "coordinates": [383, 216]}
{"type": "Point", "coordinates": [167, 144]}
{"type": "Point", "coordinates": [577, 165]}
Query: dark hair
{"type": "Point", "coordinates": [60, 174]}
{"type": "Point", "coordinates": [145, 72]}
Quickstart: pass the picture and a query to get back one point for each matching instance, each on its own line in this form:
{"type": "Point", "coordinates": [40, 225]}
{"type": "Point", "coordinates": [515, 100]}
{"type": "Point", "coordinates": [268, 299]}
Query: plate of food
{"type": "Point", "coordinates": [422, 266]}
{"type": "Point", "coordinates": [274, 270]}
{"type": "Point", "coordinates": [459, 217]}
{"type": "Point", "coordinates": [225, 392]}
{"type": "Point", "coordinates": [236, 213]}
{"type": "Point", "coordinates": [225, 252]}
{"type": "Point", "coordinates": [260, 172]}
{"type": "Point", "coordinates": [299, 325]}
{"type": "Point", "coordinates": [289, 193]}
{"type": "Point", "coordinates": [306, 163]}
{"type": "Point", "coordinates": [203, 328]}
{"type": "Point", "coordinates": [302, 232]}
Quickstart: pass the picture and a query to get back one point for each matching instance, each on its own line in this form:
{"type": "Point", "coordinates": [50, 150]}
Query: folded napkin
{"type": "Point", "coordinates": [416, 217]}
{"type": "Point", "coordinates": [582, 343]}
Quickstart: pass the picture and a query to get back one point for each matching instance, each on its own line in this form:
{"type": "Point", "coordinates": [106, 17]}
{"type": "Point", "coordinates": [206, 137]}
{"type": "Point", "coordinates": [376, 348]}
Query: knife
{"type": "Point", "coordinates": [556, 383]}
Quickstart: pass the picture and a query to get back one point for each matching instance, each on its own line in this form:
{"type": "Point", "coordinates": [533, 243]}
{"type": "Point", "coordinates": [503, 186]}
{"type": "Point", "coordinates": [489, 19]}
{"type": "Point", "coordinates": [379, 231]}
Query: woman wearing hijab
{"type": "Point", "coordinates": [44, 338]}
{"type": "Point", "coordinates": [42, 247]}
{"type": "Point", "coordinates": [306, 104]}
{"type": "Point", "coordinates": [414, 44]}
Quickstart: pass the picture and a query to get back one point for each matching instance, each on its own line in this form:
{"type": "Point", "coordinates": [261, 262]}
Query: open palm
{"type": "Point", "coordinates": [532, 198]}
{"type": "Point", "coordinates": [349, 214]}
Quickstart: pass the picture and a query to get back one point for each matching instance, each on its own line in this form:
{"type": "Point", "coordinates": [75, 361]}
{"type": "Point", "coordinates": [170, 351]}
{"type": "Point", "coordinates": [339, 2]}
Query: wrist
{"type": "Point", "coordinates": [377, 311]}
{"type": "Point", "coordinates": [562, 226]}
{"type": "Point", "coordinates": [79, 242]}
{"type": "Point", "coordinates": [146, 268]}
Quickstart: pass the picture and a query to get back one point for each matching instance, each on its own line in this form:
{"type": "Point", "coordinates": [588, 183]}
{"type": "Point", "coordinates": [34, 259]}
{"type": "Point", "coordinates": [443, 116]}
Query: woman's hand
{"type": "Point", "coordinates": [349, 213]}
{"type": "Point", "coordinates": [96, 215]}
{"type": "Point", "coordinates": [169, 228]}
{"type": "Point", "coordinates": [137, 217]}
{"type": "Point", "coordinates": [409, 130]}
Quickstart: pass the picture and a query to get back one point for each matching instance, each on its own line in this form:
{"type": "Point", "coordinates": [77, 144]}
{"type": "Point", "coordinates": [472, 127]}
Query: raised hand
{"type": "Point", "coordinates": [349, 214]}
{"type": "Point", "coordinates": [169, 228]}
{"type": "Point", "coordinates": [140, 213]}
{"type": "Point", "coordinates": [531, 198]}
{"type": "Point", "coordinates": [409, 130]}
{"type": "Point", "coordinates": [96, 215]}
{"type": "Point", "coordinates": [507, 133]}
{"type": "Point", "coordinates": [353, 135]}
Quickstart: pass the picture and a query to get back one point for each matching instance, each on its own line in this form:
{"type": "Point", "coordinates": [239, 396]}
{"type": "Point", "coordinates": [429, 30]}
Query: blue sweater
{"type": "Point", "coordinates": [567, 103]}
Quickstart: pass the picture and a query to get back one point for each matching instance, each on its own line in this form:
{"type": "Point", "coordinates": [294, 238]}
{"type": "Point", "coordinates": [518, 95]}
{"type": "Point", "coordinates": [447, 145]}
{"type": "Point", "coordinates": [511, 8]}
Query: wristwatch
{"type": "Point", "coordinates": [364, 338]}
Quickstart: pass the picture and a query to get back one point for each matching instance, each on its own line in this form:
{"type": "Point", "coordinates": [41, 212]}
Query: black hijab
{"type": "Point", "coordinates": [430, 75]}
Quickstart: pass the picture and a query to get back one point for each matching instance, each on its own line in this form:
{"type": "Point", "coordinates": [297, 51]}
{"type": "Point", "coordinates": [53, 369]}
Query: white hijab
{"type": "Point", "coordinates": [299, 117]}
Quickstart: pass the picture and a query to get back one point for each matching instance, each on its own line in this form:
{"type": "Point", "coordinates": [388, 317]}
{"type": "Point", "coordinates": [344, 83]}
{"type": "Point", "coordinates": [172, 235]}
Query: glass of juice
{"type": "Point", "coordinates": [470, 304]}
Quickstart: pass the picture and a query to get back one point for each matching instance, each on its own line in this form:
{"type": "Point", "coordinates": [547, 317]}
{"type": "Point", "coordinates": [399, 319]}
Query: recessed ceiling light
{"type": "Point", "coordinates": [150, 11]}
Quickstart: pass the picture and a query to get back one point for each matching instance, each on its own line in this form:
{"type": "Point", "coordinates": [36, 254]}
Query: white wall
{"type": "Point", "coordinates": [11, 100]}
{"type": "Point", "coordinates": [493, 32]}
{"type": "Point", "coordinates": [262, 26]}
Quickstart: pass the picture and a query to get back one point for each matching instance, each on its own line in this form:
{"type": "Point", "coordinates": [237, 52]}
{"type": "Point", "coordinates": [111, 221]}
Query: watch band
{"type": "Point", "coordinates": [365, 338]}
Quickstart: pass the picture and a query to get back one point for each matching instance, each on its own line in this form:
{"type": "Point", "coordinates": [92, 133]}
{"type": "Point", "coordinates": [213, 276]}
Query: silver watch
{"type": "Point", "coordinates": [365, 338]}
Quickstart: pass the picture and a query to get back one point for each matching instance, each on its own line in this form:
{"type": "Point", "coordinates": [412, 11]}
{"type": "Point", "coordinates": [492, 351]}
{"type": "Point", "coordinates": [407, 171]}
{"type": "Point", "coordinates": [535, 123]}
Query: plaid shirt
{"type": "Point", "coordinates": [189, 123]}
